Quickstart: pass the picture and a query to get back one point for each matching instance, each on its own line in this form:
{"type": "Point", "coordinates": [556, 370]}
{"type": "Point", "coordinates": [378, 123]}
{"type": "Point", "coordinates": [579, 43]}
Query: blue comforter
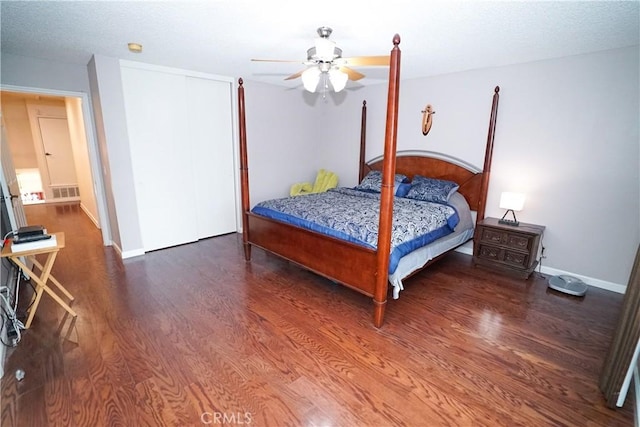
{"type": "Point", "coordinates": [353, 215]}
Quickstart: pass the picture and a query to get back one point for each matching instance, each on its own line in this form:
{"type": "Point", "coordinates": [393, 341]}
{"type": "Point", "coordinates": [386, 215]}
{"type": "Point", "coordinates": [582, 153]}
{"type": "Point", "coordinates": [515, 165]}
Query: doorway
{"type": "Point", "coordinates": [43, 149]}
{"type": "Point", "coordinates": [86, 187]}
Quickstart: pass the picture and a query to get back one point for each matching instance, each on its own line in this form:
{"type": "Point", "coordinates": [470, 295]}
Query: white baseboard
{"type": "Point", "coordinates": [128, 254]}
{"type": "Point", "coordinates": [91, 217]}
{"type": "Point", "coordinates": [61, 200]}
{"type": "Point", "coordinates": [602, 284]}
{"type": "Point", "coordinates": [464, 249]}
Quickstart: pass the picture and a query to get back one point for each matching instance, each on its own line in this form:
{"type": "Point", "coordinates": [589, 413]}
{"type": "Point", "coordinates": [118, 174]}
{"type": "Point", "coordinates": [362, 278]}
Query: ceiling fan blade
{"type": "Point", "coordinates": [275, 60]}
{"type": "Point", "coordinates": [366, 60]}
{"type": "Point", "coordinates": [353, 74]}
{"type": "Point", "coordinates": [295, 76]}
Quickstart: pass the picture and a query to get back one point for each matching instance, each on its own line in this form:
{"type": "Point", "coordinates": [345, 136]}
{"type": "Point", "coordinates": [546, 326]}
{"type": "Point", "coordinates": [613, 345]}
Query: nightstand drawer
{"type": "Point", "coordinates": [498, 254]}
{"type": "Point", "coordinates": [518, 241]}
{"type": "Point", "coordinates": [518, 259]}
{"type": "Point", "coordinates": [491, 235]}
{"type": "Point", "coordinates": [490, 252]}
{"type": "Point", "coordinates": [513, 240]}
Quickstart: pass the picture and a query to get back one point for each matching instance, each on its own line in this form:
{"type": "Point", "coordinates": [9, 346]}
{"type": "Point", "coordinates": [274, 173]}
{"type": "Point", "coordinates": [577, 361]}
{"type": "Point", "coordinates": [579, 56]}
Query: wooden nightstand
{"type": "Point", "coordinates": [507, 248]}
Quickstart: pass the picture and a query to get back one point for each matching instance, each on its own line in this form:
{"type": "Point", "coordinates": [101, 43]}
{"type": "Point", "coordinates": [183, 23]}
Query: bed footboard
{"type": "Point", "coordinates": [329, 257]}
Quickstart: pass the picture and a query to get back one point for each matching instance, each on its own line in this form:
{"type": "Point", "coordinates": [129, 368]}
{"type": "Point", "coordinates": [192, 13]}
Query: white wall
{"type": "Point", "coordinates": [282, 140]}
{"type": "Point", "coordinates": [567, 136]}
{"type": "Point", "coordinates": [113, 140]}
{"type": "Point", "coordinates": [81, 159]}
{"type": "Point", "coordinates": [41, 73]}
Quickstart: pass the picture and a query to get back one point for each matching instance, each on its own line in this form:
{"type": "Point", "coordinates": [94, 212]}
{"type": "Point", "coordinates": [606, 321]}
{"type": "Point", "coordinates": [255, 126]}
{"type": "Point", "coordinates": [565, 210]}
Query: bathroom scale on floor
{"type": "Point", "coordinates": [568, 284]}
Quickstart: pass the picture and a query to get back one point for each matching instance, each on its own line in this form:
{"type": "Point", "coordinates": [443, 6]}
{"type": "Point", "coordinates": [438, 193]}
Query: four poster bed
{"type": "Point", "coordinates": [375, 254]}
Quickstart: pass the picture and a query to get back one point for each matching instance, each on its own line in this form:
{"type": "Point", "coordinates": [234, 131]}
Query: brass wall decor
{"type": "Point", "coordinates": [427, 119]}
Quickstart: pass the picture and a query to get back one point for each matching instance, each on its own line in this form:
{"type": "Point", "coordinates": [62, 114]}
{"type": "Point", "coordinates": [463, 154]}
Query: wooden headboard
{"type": "Point", "coordinates": [421, 163]}
{"type": "Point", "coordinates": [474, 183]}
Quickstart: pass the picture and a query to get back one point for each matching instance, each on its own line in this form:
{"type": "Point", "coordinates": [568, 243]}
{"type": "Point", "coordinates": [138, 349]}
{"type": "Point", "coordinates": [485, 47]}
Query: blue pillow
{"type": "Point", "coordinates": [431, 189]}
{"type": "Point", "coordinates": [402, 189]}
{"type": "Point", "coordinates": [373, 183]}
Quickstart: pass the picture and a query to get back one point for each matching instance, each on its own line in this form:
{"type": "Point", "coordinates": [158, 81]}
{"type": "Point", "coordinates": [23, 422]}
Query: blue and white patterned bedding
{"type": "Point", "coordinates": [353, 215]}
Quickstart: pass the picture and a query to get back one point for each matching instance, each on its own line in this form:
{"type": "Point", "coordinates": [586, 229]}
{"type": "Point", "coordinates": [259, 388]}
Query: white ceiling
{"type": "Point", "coordinates": [221, 36]}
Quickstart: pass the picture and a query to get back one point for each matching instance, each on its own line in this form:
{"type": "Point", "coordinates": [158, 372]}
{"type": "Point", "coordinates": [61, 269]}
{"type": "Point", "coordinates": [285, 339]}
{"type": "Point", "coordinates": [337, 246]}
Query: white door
{"type": "Point", "coordinates": [10, 188]}
{"type": "Point", "coordinates": [56, 144]}
{"type": "Point", "coordinates": [211, 133]}
{"type": "Point", "coordinates": [156, 111]}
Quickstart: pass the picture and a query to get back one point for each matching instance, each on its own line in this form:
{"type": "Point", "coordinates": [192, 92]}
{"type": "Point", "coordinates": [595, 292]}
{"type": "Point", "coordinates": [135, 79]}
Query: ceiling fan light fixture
{"type": "Point", "coordinates": [325, 49]}
{"type": "Point", "coordinates": [338, 79]}
{"type": "Point", "coordinates": [326, 66]}
{"type": "Point", "coordinates": [314, 56]}
{"type": "Point", "coordinates": [311, 78]}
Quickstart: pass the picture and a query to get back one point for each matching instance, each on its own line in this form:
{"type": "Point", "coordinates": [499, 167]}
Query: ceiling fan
{"type": "Point", "coordinates": [326, 64]}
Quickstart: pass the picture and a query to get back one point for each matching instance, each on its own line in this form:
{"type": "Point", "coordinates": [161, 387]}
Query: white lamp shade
{"type": "Point", "coordinates": [338, 79]}
{"type": "Point", "coordinates": [513, 201]}
{"type": "Point", "coordinates": [310, 78]}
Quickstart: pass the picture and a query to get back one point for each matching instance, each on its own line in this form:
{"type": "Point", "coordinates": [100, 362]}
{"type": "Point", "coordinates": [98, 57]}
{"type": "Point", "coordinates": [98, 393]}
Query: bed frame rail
{"type": "Point", "coordinates": [324, 255]}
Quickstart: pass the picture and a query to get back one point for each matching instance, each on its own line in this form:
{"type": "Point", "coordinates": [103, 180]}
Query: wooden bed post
{"type": "Point", "coordinates": [488, 153]}
{"type": "Point", "coordinates": [363, 141]}
{"type": "Point", "coordinates": [244, 172]}
{"type": "Point", "coordinates": [388, 178]}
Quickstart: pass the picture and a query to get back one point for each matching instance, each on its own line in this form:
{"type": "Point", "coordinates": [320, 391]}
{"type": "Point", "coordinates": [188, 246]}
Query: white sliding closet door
{"type": "Point", "coordinates": [211, 133]}
{"type": "Point", "coordinates": [180, 128]}
{"type": "Point", "coordinates": [156, 111]}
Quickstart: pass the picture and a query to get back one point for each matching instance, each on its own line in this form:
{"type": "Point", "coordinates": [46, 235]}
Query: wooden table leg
{"type": "Point", "coordinates": [54, 280]}
{"type": "Point", "coordinates": [41, 282]}
{"type": "Point", "coordinates": [34, 306]}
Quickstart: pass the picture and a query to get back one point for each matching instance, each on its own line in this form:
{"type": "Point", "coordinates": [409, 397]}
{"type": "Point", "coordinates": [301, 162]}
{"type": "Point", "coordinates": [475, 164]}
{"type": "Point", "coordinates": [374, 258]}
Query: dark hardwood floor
{"type": "Point", "coordinates": [193, 335]}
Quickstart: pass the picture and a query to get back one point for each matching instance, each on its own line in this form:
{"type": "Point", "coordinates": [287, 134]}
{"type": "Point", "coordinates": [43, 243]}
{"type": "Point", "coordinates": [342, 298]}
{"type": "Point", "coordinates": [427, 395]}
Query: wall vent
{"type": "Point", "coordinates": [65, 192]}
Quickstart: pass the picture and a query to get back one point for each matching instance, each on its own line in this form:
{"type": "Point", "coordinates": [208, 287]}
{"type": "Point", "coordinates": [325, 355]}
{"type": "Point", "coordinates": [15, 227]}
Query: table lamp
{"type": "Point", "coordinates": [511, 202]}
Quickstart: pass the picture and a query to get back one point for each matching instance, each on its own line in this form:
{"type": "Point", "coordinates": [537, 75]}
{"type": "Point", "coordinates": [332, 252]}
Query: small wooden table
{"type": "Point", "coordinates": [45, 273]}
{"type": "Point", "coordinates": [507, 248]}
